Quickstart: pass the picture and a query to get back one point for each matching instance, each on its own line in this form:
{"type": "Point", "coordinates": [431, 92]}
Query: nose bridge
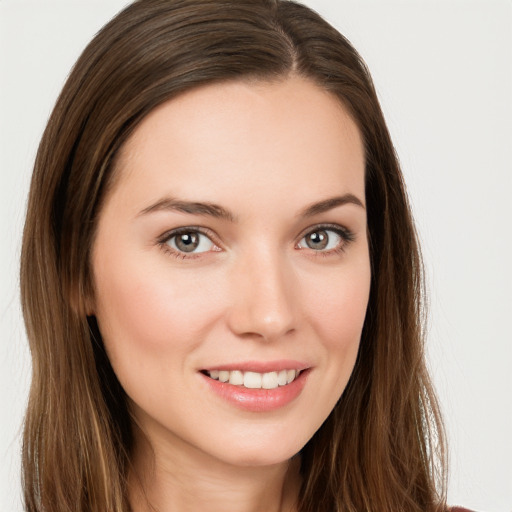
{"type": "Point", "coordinates": [263, 296]}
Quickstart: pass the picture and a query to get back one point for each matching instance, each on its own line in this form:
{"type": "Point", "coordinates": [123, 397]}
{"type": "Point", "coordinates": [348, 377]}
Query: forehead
{"type": "Point", "coordinates": [238, 138]}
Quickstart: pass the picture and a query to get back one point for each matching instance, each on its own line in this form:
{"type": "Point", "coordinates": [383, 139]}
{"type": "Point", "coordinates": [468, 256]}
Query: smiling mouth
{"type": "Point", "coordinates": [254, 380]}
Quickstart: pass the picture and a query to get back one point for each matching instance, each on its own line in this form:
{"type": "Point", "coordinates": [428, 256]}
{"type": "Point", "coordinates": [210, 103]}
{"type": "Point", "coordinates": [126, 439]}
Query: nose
{"type": "Point", "coordinates": [263, 295]}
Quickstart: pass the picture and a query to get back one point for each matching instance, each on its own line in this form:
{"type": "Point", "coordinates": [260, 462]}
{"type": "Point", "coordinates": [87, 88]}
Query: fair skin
{"type": "Point", "coordinates": [267, 287]}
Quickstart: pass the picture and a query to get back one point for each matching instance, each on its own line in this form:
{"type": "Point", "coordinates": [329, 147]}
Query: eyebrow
{"type": "Point", "coordinates": [219, 212]}
{"type": "Point", "coordinates": [192, 207]}
{"type": "Point", "coordinates": [329, 204]}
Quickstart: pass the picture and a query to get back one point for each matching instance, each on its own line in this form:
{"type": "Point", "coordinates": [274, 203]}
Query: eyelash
{"type": "Point", "coordinates": [163, 241]}
{"type": "Point", "coordinates": [347, 237]}
{"type": "Point", "coordinates": [345, 234]}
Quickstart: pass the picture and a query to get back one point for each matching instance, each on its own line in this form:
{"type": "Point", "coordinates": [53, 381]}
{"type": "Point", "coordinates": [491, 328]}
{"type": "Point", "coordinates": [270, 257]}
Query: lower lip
{"type": "Point", "coordinates": [258, 400]}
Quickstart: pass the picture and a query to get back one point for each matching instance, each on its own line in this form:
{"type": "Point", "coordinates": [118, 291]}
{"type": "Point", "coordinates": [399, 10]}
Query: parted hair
{"type": "Point", "coordinates": [382, 447]}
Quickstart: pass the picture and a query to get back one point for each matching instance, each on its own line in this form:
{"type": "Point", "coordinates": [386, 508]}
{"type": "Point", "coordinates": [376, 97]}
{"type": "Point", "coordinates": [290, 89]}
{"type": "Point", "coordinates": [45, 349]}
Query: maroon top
{"type": "Point", "coordinates": [459, 509]}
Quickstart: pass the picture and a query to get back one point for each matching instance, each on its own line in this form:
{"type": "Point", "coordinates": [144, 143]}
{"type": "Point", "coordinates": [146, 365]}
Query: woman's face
{"type": "Point", "coordinates": [233, 247]}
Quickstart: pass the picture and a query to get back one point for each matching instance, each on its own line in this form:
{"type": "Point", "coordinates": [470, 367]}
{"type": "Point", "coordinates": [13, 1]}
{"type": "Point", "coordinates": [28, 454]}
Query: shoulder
{"type": "Point", "coordinates": [458, 509]}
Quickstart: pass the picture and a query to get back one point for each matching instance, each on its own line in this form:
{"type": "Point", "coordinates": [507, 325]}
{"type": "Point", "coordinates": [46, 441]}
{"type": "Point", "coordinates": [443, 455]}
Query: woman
{"type": "Point", "coordinates": [220, 276]}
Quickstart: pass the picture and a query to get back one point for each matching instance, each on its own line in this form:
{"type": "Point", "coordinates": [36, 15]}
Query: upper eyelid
{"type": "Point", "coordinates": [326, 226]}
{"type": "Point", "coordinates": [177, 231]}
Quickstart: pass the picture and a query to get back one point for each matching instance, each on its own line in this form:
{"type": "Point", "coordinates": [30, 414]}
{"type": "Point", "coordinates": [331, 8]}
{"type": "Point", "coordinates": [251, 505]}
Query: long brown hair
{"type": "Point", "coordinates": [382, 447]}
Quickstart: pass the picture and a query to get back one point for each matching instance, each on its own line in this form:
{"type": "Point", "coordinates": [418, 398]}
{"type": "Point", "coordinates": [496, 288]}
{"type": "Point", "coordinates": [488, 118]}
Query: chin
{"type": "Point", "coordinates": [260, 458]}
{"type": "Point", "coordinates": [263, 451]}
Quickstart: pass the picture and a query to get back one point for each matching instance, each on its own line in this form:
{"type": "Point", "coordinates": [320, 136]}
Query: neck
{"type": "Point", "coordinates": [177, 476]}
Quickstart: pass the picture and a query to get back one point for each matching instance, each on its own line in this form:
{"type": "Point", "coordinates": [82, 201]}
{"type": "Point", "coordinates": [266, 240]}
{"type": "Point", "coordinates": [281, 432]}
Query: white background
{"type": "Point", "coordinates": [443, 72]}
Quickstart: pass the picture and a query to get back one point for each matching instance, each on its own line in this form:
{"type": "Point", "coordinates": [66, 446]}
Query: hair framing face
{"type": "Point", "coordinates": [383, 438]}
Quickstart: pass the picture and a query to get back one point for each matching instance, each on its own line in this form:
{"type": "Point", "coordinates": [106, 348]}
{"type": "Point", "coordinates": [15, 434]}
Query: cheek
{"type": "Point", "coordinates": [337, 314]}
{"type": "Point", "coordinates": [147, 314]}
{"type": "Point", "coordinates": [339, 309]}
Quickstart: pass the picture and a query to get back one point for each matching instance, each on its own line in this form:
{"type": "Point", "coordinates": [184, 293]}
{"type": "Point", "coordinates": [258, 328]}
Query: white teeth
{"type": "Point", "coordinates": [290, 376]}
{"type": "Point", "coordinates": [236, 378]}
{"type": "Point", "coordinates": [281, 378]}
{"type": "Point", "coordinates": [254, 380]}
{"type": "Point", "coordinates": [269, 380]}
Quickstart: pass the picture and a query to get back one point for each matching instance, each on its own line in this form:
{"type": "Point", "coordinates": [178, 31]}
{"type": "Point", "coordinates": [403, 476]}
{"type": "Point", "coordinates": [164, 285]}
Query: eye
{"type": "Point", "coordinates": [324, 239]}
{"type": "Point", "coordinates": [189, 241]}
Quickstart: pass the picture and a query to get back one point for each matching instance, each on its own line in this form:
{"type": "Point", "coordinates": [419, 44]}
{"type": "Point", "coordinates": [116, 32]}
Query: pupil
{"type": "Point", "coordinates": [187, 242]}
{"type": "Point", "coordinates": [317, 240]}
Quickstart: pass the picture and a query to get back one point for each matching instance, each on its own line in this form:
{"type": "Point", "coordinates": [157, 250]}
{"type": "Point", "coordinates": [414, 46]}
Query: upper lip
{"type": "Point", "coordinates": [260, 366]}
